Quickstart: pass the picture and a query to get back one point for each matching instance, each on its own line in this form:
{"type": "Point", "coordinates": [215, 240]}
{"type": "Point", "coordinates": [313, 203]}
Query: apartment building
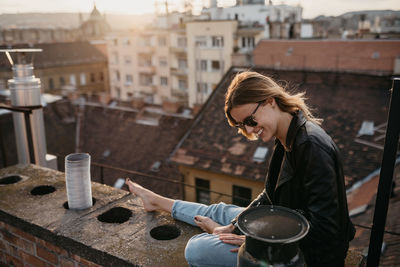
{"type": "Point", "coordinates": [149, 64]}
{"type": "Point", "coordinates": [63, 68]}
{"type": "Point", "coordinates": [279, 21]}
{"type": "Point", "coordinates": [181, 58]}
{"type": "Point", "coordinates": [210, 47]}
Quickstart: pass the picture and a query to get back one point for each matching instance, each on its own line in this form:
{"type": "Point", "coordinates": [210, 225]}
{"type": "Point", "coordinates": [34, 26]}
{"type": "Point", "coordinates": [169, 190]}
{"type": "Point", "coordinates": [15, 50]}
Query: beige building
{"type": "Point", "coordinates": [75, 67]}
{"type": "Point", "coordinates": [149, 64]}
{"type": "Point", "coordinates": [209, 187]}
{"type": "Point", "coordinates": [210, 48]}
{"type": "Point", "coordinates": [181, 63]}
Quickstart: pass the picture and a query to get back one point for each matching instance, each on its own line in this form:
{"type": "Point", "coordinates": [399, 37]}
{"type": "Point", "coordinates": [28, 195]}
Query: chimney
{"type": "Point", "coordinates": [25, 92]}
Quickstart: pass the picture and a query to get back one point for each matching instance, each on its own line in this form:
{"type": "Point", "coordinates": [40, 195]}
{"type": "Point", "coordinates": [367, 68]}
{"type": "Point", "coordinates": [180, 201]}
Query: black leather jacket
{"type": "Point", "coordinates": [310, 179]}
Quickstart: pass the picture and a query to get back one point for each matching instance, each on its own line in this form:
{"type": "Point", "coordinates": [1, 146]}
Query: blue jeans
{"type": "Point", "coordinates": [206, 249]}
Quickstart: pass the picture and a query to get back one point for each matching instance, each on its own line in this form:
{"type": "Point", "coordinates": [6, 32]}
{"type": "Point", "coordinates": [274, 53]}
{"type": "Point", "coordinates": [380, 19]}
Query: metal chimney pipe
{"type": "Point", "coordinates": [25, 92]}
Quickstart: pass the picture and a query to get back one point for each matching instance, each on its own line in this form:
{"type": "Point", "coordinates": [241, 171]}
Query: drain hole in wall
{"type": "Point", "coordinates": [42, 190]}
{"type": "Point", "coordinates": [115, 215]}
{"type": "Point", "coordinates": [165, 232]}
{"type": "Point", "coordinates": [67, 207]}
{"type": "Point", "coordinates": [10, 179]}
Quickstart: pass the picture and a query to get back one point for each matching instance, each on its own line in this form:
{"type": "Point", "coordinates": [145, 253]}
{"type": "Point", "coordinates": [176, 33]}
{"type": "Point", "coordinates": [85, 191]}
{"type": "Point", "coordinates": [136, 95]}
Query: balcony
{"type": "Point", "coordinates": [178, 50]}
{"type": "Point", "coordinates": [179, 93]}
{"type": "Point", "coordinates": [150, 69]}
{"type": "Point", "coordinates": [179, 71]}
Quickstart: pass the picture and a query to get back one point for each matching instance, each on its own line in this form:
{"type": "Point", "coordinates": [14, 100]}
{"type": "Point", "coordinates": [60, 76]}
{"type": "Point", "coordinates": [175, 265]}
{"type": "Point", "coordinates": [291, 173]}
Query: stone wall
{"type": "Point", "coordinates": [38, 229]}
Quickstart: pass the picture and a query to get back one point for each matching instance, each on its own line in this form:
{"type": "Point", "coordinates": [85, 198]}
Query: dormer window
{"type": "Point", "coordinates": [367, 128]}
{"type": "Point", "coordinates": [260, 154]}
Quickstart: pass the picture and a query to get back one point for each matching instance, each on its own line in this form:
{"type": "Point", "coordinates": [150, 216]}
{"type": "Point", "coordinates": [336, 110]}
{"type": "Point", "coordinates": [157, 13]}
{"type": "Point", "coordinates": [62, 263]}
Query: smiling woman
{"type": "Point", "coordinates": [305, 174]}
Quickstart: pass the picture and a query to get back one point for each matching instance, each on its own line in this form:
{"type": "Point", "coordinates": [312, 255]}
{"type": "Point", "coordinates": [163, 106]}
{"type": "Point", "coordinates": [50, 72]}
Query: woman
{"type": "Point", "coordinates": [305, 174]}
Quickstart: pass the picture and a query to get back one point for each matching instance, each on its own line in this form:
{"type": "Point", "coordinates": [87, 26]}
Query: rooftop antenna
{"type": "Point", "coordinates": [166, 7]}
{"type": "Point", "coordinates": [26, 94]}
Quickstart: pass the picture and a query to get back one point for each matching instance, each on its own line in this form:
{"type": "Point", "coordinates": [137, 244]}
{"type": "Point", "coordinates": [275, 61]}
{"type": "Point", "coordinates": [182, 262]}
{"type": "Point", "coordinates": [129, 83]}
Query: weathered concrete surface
{"type": "Point", "coordinates": [80, 232]}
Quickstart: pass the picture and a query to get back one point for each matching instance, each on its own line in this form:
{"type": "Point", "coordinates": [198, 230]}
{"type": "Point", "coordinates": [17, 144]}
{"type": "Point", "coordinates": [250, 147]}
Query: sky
{"type": "Point", "coordinates": [311, 8]}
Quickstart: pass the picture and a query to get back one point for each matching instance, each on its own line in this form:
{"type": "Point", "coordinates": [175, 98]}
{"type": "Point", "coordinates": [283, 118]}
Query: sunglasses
{"type": "Point", "coordinates": [249, 120]}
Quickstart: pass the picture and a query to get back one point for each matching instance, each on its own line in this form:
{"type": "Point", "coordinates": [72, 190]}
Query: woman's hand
{"type": "Point", "coordinates": [232, 239]}
{"type": "Point", "coordinates": [224, 229]}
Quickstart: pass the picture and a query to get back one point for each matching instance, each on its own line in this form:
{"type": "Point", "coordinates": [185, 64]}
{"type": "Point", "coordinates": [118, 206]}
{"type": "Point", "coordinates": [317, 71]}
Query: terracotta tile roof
{"type": "Point", "coordinates": [344, 101]}
{"type": "Point", "coordinates": [391, 255]}
{"type": "Point", "coordinates": [112, 137]}
{"type": "Point", "coordinates": [117, 138]}
{"type": "Point", "coordinates": [364, 56]}
{"type": "Point", "coordinates": [213, 145]}
{"type": "Point", "coordinates": [60, 126]}
{"type": "Point", "coordinates": [59, 54]}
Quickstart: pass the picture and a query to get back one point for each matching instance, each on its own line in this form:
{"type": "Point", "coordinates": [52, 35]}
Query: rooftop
{"type": "Point", "coordinates": [60, 54]}
{"type": "Point", "coordinates": [344, 101]}
{"type": "Point", "coordinates": [37, 228]}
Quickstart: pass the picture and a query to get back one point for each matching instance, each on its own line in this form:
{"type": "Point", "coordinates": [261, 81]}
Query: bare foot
{"type": "Point", "coordinates": [148, 197]}
{"type": "Point", "coordinates": [206, 223]}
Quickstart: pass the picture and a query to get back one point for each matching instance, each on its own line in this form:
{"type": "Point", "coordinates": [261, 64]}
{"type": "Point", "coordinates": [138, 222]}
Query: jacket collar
{"type": "Point", "coordinates": [298, 120]}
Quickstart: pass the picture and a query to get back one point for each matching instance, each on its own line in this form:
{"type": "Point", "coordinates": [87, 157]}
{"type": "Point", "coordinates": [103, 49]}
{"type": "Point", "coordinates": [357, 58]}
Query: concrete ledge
{"type": "Point", "coordinates": [80, 232]}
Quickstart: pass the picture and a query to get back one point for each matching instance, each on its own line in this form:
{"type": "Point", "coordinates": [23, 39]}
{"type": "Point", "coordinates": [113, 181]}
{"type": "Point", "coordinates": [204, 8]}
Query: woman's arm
{"type": "Point", "coordinates": [317, 167]}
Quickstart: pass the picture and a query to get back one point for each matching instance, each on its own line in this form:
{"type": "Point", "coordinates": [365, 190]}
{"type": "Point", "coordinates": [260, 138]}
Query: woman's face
{"type": "Point", "coordinates": [266, 117]}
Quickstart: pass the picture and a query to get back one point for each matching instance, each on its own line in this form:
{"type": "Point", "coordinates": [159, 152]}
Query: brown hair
{"type": "Point", "coordinates": [252, 87]}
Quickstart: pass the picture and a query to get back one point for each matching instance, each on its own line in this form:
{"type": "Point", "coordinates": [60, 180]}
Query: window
{"type": "Point", "coordinates": [115, 41]}
{"type": "Point", "coordinates": [145, 41]}
{"type": "Point", "coordinates": [145, 79]}
{"type": "Point", "coordinates": [129, 78]}
{"type": "Point", "coordinates": [162, 41]}
{"type": "Point", "coordinates": [144, 60]}
{"type": "Point", "coordinates": [202, 191]}
{"type": "Point", "coordinates": [241, 196]}
{"type": "Point", "coordinates": [83, 78]}
{"type": "Point", "coordinates": [182, 42]}
{"type": "Point", "coordinates": [182, 84]}
{"type": "Point", "coordinates": [367, 128]}
{"type": "Point", "coordinates": [217, 41]}
{"type": "Point", "coordinates": [115, 57]}
{"type": "Point", "coordinates": [3, 84]}
{"type": "Point", "coordinates": [117, 75]}
{"type": "Point", "coordinates": [182, 64]}
{"type": "Point", "coordinates": [375, 55]}
{"type": "Point", "coordinates": [248, 41]}
{"type": "Point", "coordinates": [202, 88]}
{"type": "Point", "coordinates": [163, 81]}
{"type": "Point", "coordinates": [128, 60]}
{"type": "Point", "coordinates": [163, 62]}
{"type": "Point", "coordinates": [118, 90]}
{"type": "Point", "coordinates": [251, 42]}
{"type": "Point", "coordinates": [101, 76]}
{"type": "Point", "coordinates": [215, 65]}
{"type": "Point", "coordinates": [127, 42]}
{"type": "Point", "coordinates": [51, 83]}
{"type": "Point", "coordinates": [260, 154]}
{"type": "Point", "coordinates": [72, 79]}
{"type": "Point", "coordinates": [200, 41]}
{"type": "Point", "coordinates": [201, 65]}
{"type": "Point", "coordinates": [92, 78]}
{"type": "Point", "coordinates": [62, 81]}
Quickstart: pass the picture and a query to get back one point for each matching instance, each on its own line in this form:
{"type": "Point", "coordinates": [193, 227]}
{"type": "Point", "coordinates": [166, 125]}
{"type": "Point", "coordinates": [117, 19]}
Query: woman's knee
{"type": "Point", "coordinates": [196, 248]}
